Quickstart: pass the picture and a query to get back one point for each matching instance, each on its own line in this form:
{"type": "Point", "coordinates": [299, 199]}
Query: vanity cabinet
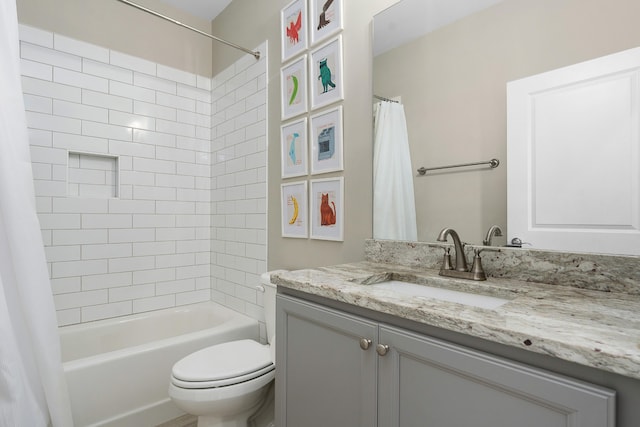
{"type": "Point", "coordinates": [324, 376]}
{"type": "Point", "coordinates": [338, 369]}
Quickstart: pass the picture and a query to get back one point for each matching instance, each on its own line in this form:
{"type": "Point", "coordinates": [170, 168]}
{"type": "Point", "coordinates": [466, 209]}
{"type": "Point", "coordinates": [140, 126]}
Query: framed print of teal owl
{"type": "Point", "coordinates": [293, 28]}
{"type": "Point", "coordinates": [325, 18]}
{"type": "Point", "coordinates": [326, 74]}
{"type": "Point", "coordinates": [293, 84]}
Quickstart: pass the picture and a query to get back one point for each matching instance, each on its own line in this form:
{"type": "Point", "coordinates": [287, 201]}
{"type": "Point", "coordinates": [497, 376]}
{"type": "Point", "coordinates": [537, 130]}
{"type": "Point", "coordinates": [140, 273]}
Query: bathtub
{"type": "Point", "coordinates": [118, 369]}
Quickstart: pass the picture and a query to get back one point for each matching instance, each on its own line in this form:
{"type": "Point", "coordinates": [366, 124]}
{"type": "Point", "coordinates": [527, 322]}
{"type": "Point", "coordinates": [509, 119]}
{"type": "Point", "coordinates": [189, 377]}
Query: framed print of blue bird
{"type": "Point", "coordinates": [325, 19]}
{"type": "Point", "coordinates": [293, 28]}
{"type": "Point", "coordinates": [293, 137]}
{"type": "Point", "coordinates": [326, 74]}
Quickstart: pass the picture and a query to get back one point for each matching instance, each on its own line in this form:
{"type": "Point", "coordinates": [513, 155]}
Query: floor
{"type": "Point", "coordinates": [183, 421]}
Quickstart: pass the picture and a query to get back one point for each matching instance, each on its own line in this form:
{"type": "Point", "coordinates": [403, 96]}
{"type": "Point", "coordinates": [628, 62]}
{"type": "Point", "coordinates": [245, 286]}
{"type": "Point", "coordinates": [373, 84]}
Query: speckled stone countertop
{"type": "Point", "coordinates": [595, 328]}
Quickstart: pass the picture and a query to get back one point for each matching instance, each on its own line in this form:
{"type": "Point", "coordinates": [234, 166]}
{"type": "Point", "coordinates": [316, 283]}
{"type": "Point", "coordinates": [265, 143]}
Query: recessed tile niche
{"type": "Point", "coordinates": [92, 176]}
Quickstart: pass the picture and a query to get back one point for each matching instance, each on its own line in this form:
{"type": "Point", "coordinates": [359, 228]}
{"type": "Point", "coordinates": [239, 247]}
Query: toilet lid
{"type": "Point", "coordinates": [224, 363]}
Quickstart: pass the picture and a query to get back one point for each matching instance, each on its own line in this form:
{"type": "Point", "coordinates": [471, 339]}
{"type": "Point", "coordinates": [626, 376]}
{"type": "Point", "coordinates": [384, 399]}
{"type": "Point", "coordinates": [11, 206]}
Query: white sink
{"type": "Point", "coordinates": [413, 290]}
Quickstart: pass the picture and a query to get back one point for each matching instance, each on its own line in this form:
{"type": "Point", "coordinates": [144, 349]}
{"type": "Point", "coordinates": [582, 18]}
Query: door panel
{"type": "Point", "coordinates": [573, 157]}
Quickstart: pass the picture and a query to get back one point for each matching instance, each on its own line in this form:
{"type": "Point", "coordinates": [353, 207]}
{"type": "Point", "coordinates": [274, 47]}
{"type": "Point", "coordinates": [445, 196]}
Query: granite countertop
{"type": "Point", "coordinates": [589, 327]}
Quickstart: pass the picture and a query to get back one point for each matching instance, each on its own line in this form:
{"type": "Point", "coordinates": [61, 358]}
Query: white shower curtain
{"type": "Point", "coordinates": [33, 390]}
{"type": "Point", "coordinates": [394, 210]}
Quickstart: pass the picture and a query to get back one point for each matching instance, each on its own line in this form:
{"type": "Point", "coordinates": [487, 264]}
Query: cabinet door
{"type": "Point", "coordinates": [323, 376]}
{"type": "Point", "coordinates": [432, 383]}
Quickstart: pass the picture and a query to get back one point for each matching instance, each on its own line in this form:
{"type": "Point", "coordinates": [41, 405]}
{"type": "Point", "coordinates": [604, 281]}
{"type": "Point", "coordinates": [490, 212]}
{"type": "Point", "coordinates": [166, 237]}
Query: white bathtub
{"type": "Point", "coordinates": [118, 369]}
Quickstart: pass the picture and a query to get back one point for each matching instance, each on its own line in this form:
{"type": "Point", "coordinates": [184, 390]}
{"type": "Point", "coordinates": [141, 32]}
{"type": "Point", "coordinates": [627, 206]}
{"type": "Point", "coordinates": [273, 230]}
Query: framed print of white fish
{"type": "Point", "coordinates": [293, 29]}
{"type": "Point", "coordinates": [325, 18]}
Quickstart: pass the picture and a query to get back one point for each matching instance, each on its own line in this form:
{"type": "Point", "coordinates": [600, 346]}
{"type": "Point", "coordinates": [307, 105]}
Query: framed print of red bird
{"type": "Point", "coordinates": [293, 29]}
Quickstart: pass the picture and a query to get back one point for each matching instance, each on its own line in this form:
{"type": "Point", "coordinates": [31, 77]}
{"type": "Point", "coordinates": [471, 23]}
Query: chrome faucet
{"type": "Point", "coordinates": [493, 231]}
{"type": "Point", "coordinates": [461, 270]}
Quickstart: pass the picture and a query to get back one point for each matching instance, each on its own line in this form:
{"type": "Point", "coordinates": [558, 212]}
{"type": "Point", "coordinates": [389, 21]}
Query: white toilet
{"type": "Point", "coordinates": [225, 384]}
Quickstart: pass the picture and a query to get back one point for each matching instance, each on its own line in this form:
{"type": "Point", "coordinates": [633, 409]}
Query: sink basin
{"type": "Point", "coordinates": [413, 290]}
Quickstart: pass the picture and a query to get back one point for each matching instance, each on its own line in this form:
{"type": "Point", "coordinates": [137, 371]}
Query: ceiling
{"type": "Point", "coordinates": [204, 9]}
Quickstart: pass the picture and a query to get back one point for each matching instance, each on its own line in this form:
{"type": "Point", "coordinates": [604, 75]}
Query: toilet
{"type": "Point", "coordinates": [225, 384]}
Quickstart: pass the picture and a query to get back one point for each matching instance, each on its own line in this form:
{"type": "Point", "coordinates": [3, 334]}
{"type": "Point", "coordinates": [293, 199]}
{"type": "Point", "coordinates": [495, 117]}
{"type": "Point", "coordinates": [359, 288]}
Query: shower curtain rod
{"type": "Point", "coordinates": [382, 98]}
{"type": "Point", "coordinates": [159, 15]}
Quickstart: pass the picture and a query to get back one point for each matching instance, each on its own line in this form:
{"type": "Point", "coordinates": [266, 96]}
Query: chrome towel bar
{"type": "Point", "coordinates": [493, 163]}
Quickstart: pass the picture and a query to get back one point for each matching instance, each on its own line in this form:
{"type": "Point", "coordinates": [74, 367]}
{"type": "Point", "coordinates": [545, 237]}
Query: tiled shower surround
{"type": "Point", "coordinates": [150, 181]}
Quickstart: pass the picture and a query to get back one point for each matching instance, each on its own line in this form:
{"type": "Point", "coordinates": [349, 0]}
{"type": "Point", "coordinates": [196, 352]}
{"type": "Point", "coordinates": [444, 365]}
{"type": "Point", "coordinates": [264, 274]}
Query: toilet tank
{"type": "Point", "coordinates": [269, 304]}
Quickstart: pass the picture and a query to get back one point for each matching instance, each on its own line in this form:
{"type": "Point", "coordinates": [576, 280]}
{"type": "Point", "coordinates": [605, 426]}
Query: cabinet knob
{"type": "Point", "coordinates": [382, 349]}
{"type": "Point", "coordinates": [365, 343]}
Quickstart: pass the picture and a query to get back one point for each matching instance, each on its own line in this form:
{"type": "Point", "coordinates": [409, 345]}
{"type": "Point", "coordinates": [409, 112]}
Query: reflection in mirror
{"type": "Point", "coordinates": [453, 79]}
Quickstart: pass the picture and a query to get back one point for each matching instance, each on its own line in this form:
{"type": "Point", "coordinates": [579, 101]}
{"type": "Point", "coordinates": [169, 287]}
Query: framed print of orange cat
{"type": "Point", "coordinates": [325, 18]}
{"type": "Point", "coordinates": [293, 29]}
{"type": "Point", "coordinates": [293, 84]}
{"type": "Point", "coordinates": [326, 74]}
{"type": "Point", "coordinates": [327, 209]}
{"type": "Point", "coordinates": [294, 214]}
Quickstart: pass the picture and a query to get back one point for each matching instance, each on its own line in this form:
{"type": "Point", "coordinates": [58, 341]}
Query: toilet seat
{"type": "Point", "coordinates": [223, 365]}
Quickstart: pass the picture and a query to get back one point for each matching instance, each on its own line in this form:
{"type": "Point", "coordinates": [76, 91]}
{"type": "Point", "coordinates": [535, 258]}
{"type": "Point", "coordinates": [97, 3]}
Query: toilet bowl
{"type": "Point", "coordinates": [225, 384]}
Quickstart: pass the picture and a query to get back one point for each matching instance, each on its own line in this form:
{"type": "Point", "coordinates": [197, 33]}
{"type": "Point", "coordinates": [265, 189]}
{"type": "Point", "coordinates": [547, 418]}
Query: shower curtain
{"type": "Point", "coordinates": [394, 210]}
{"type": "Point", "coordinates": [33, 390]}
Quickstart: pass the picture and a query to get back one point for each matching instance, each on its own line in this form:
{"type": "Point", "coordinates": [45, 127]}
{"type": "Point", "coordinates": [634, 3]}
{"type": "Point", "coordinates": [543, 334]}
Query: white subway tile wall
{"type": "Point", "coordinates": [238, 170]}
{"type": "Point", "coordinates": [152, 245]}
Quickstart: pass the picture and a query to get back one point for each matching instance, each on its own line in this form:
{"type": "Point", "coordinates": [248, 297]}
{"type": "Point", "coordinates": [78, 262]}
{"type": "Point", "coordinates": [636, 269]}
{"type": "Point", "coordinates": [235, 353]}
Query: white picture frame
{"type": "Point", "coordinates": [326, 141]}
{"type": "Point", "coordinates": [325, 19]}
{"type": "Point", "coordinates": [294, 204]}
{"type": "Point", "coordinates": [293, 83]}
{"type": "Point", "coordinates": [327, 209]}
{"type": "Point", "coordinates": [293, 29]}
{"type": "Point", "coordinates": [294, 148]}
{"type": "Point", "coordinates": [326, 74]}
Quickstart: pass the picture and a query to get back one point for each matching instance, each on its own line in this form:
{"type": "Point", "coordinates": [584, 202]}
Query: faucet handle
{"type": "Point", "coordinates": [446, 260]}
{"type": "Point", "coordinates": [476, 268]}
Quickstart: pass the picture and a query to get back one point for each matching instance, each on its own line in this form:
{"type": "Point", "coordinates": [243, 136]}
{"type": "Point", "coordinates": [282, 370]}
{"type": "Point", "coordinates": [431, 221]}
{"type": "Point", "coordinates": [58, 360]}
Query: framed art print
{"type": "Point", "coordinates": [326, 74]}
{"type": "Point", "coordinates": [294, 210]}
{"type": "Point", "coordinates": [293, 81]}
{"type": "Point", "coordinates": [325, 133]}
{"type": "Point", "coordinates": [325, 18]}
{"type": "Point", "coordinates": [293, 137]}
{"type": "Point", "coordinates": [293, 28]}
{"type": "Point", "coordinates": [327, 209]}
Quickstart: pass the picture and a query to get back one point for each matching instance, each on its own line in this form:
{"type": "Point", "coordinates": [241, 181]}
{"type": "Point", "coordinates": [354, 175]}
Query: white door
{"type": "Point", "coordinates": [573, 157]}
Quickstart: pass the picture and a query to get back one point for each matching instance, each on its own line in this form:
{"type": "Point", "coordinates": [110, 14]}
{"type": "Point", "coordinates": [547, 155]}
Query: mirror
{"type": "Point", "coordinates": [450, 72]}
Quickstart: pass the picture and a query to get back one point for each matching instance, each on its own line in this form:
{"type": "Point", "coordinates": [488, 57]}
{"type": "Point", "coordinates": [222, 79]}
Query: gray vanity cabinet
{"type": "Point", "coordinates": [429, 382]}
{"type": "Point", "coordinates": [324, 378]}
{"type": "Point", "coordinates": [328, 376]}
